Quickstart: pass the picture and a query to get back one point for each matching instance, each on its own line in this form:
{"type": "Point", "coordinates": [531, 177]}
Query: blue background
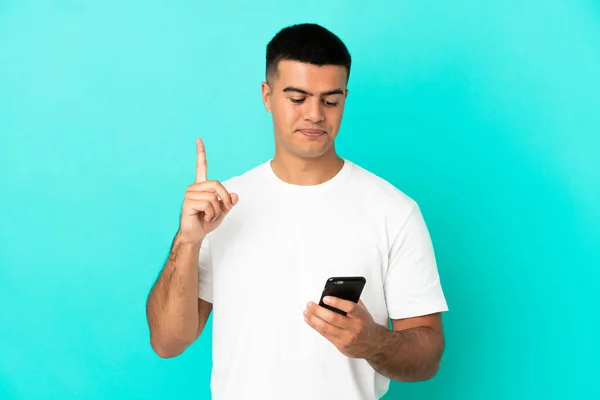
{"type": "Point", "coordinates": [487, 113]}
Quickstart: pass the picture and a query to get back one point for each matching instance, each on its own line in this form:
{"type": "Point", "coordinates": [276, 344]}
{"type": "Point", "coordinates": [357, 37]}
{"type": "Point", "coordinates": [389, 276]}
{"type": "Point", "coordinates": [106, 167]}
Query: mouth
{"type": "Point", "coordinates": [312, 132]}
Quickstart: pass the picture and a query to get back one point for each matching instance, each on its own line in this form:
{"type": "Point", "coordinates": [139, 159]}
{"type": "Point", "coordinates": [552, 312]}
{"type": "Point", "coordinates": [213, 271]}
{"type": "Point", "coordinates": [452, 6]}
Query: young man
{"type": "Point", "coordinates": [257, 249]}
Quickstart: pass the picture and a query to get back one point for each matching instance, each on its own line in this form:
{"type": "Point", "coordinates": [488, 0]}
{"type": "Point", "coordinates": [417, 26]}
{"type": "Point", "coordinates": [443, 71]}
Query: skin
{"type": "Point", "coordinates": [304, 96]}
{"type": "Point", "coordinates": [299, 97]}
{"type": "Point", "coordinates": [410, 352]}
{"type": "Point", "coordinates": [176, 315]}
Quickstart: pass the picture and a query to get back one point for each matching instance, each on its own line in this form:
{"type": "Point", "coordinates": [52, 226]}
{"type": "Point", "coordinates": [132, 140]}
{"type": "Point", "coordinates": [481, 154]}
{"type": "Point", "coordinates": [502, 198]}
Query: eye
{"type": "Point", "coordinates": [331, 103]}
{"type": "Point", "coordinates": [296, 101]}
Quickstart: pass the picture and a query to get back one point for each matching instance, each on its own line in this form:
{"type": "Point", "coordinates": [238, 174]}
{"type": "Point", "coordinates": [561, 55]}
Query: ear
{"type": "Point", "coordinates": [266, 95]}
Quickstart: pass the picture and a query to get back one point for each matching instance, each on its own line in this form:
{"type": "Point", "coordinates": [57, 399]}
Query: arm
{"type": "Point", "coordinates": [176, 316]}
{"type": "Point", "coordinates": [411, 351]}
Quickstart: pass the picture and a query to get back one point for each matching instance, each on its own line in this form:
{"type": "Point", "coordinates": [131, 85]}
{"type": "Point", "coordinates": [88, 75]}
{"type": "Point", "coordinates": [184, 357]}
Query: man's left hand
{"type": "Point", "coordinates": [354, 335]}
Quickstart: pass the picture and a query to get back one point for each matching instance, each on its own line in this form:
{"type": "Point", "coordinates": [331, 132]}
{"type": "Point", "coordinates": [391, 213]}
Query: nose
{"type": "Point", "coordinates": [313, 110]}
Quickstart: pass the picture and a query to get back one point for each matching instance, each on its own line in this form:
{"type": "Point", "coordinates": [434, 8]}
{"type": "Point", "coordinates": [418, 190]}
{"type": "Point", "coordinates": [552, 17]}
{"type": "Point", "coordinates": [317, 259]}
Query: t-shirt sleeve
{"type": "Point", "coordinates": [412, 285]}
{"type": "Point", "coordinates": [205, 282]}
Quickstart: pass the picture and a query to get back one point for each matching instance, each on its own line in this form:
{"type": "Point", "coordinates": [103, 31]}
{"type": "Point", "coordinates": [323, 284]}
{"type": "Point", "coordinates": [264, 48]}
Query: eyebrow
{"type": "Point", "coordinates": [298, 90]}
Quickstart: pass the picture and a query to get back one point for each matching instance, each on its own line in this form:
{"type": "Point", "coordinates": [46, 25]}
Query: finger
{"type": "Point", "coordinates": [216, 206]}
{"type": "Point", "coordinates": [224, 208]}
{"type": "Point", "coordinates": [201, 164]}
{"type": "Point", "coordinates": [202, 206]}
{"type": "Point", "coordinates": [359, 309]}
{"type": "Point", "coordinates": [341, 304]}
{"type": "Point", "coordinates": [333, 318]}
{"type": "Point", "coordinates": [209, 212]}
{"type": "Point", "coordinates": [209, 197]}
{"type": "Point", "coordinates": [217, 187]}
{"type": "Point", "coordinates": [224, 194]}
{"type": "Point", "coordinates": [326, 329]}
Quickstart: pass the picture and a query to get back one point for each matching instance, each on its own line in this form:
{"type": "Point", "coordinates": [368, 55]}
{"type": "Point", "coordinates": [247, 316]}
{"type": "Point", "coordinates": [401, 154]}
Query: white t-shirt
{"type": "Point", "coordinates": [273, 254]}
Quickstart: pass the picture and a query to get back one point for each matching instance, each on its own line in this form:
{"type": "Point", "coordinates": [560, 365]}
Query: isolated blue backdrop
{"type": "Point", "coordinates": [487, 113]}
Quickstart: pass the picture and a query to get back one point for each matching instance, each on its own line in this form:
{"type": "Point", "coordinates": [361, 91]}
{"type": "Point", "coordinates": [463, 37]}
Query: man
{"type": "Point", "coordinates": [257, 249]}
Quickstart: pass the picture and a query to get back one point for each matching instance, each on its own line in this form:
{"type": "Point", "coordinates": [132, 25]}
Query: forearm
{"type": "Point", "coordinates": [172, 307]}
{"type": "Point", "coordinates": [408, 355]}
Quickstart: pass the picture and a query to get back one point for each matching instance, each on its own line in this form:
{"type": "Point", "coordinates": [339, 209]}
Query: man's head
{"type": "Point", "coordinates": [305, 90]}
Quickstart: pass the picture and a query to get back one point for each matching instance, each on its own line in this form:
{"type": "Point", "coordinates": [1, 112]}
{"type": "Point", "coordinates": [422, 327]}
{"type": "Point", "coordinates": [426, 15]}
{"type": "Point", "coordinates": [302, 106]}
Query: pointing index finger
{"type": "Point", "coordinates": [201, 165]}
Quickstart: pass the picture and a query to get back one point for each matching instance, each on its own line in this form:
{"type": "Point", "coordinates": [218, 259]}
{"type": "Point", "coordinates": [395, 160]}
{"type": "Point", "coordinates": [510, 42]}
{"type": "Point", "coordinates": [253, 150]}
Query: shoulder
{"type": "Point", "coordinates": [380, 191]}
{"type": "Point", "coordinates": [389, 206]}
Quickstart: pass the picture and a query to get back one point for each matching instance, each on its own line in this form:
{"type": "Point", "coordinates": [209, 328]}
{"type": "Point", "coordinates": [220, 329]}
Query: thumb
{"type": "Point", "coordinates": [234, 200]}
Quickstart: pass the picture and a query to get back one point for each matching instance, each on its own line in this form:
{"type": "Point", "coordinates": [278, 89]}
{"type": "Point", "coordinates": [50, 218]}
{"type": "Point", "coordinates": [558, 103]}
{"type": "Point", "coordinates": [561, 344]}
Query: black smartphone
{"type": "Point", "coordinates": [346, 287]}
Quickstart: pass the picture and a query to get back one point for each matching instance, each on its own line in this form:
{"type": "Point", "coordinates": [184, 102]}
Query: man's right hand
{"type": "Point", "coordinates": [205, 203]}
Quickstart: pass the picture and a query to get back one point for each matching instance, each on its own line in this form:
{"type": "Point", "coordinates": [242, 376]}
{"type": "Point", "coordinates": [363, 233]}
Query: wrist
{"type": "Point", "coordinates": [184, 240]}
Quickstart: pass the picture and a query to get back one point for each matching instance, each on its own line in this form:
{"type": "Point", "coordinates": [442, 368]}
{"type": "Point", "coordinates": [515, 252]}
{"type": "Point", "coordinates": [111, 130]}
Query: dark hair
{"type": "Point", "coordinates": [308, 43]}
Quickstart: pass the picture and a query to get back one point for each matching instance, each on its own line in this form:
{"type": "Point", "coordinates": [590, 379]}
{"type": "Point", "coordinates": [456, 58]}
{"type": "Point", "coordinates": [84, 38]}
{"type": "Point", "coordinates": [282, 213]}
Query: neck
{"type": "Point", "coordinates": [306, 171]}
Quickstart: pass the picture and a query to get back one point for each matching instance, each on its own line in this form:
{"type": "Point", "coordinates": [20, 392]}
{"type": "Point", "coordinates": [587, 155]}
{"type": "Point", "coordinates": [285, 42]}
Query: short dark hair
{"type": "Point", "coordinates": [308, 43]}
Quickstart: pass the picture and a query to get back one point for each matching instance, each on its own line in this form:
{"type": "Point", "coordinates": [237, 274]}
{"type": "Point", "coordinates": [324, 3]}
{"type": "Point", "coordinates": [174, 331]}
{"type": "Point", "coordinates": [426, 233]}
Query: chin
{"type": "Point", "coordinates": [311, 153]}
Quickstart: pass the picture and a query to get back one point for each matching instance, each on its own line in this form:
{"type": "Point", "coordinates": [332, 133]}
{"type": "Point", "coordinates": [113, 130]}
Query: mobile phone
{"type": "Point", "coordinates": [345, 287]}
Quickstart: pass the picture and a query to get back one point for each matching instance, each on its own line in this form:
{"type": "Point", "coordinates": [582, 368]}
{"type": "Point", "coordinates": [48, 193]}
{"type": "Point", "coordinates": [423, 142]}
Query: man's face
{"type": "Point", "coordinates": [307, 102]}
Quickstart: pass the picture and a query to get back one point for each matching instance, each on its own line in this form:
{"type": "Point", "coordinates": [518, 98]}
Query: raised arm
{"type": "Point", "coordinates": [175, 314]}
